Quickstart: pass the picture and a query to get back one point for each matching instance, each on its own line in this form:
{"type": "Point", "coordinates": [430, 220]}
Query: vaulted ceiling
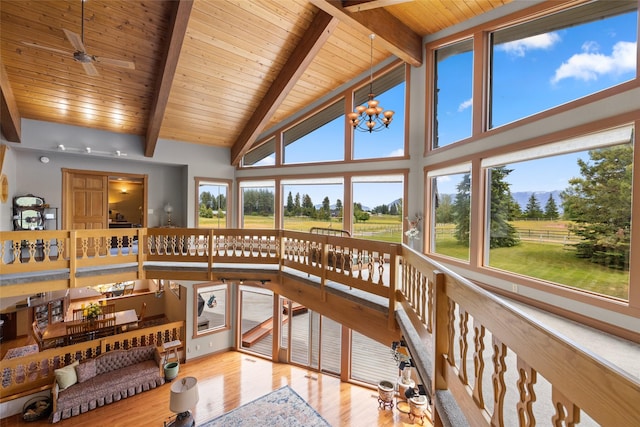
{"type": "Point", "coordinates": [213, 72]}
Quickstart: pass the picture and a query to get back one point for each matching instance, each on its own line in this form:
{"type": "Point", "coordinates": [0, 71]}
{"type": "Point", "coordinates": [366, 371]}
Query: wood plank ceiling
{"type": "Point", "coordinates": [213, 72]}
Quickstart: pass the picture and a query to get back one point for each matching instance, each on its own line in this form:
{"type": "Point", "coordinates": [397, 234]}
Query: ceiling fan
{"type": "Point", "coordinates": [80, 55]}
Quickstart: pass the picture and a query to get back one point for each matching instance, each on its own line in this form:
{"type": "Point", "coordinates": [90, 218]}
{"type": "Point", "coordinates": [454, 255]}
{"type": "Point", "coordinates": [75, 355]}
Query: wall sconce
{"type": "Point", "coordinates": [124, 191]}
{"type": "Point", "coordinates": [168, 209]}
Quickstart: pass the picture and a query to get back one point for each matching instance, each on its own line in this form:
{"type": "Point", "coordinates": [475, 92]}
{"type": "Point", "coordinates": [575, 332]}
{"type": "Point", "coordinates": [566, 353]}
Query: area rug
{"type": "Point", "coordinates": [280, 408]}
{"type": "Point", "coordinates": [12, 353]}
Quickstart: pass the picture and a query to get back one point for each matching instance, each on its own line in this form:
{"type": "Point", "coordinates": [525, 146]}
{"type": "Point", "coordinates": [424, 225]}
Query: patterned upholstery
{"type": "Point", "coordinates": [119, 374]}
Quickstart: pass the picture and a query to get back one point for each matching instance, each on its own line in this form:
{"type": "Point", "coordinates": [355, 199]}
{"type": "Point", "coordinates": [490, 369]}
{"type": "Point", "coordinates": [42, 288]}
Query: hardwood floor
{"type": "Point", "coordinates": [231, 379]}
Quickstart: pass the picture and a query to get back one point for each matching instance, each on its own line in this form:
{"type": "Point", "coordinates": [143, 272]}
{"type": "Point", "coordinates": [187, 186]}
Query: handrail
{"type": "Point", "coordinates": [484, 352]}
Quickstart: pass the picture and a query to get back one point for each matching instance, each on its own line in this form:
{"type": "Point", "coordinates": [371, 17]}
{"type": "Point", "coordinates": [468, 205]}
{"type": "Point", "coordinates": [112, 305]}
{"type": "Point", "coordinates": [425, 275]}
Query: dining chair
{"type": "Point", "coordinates": [78, 314]}
{"type": "Point", "coordinates": [128, 289]}
{"type": "Point", "coordinates": [37, 335]}
{"type": "Point", "coordinates": [143, 311]}
{"type": "Point", "coordinates": [108, 310]}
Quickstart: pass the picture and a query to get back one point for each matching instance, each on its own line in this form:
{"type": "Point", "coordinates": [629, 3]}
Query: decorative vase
{"type": "Point", "coordinates": [386, 392]}
{"type": "Point", "coordinates": [418, 407]}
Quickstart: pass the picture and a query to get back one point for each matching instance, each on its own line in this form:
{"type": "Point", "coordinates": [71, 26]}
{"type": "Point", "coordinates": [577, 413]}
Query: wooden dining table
{"type": "Point", "coordinates": [58, 331]}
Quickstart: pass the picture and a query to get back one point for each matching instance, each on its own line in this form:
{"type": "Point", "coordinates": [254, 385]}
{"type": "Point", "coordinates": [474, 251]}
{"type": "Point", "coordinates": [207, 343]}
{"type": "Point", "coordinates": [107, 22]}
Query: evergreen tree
{"type": "Point", "coordinates": [533, 210]}
{"type": "Point", "coordinates": [298, 206]}
{"type": "Point", "coordinates": [339, 208]}
{"type": "Point", "coordinates": [550, 209]}
{"type": "Point", "coordinates": [307, 206]}
{"type": "Point", "coordinates": [290, 209]}
{"type": "Point", "coordinates": [325, 211]}
{"type": "Point", "coordinates": [462, 210]}
{"type": "Point", "coordinates": [600, 202]}
{"type": "Point", "coordinates": [515, 211]}
{"type": "Point", "coordinates": [502, 233]}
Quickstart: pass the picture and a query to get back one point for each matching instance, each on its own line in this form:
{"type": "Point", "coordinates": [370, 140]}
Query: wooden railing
{"type": "Point", "coordinates": [33, 372]}
{"type": "Point", "coordinates": [492, 358]}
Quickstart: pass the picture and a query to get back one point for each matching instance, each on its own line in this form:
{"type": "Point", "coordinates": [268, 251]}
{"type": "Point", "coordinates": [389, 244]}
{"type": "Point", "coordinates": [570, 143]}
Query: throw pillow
{"type": "Point", "coordinates": [85, 371]}
{"type": "Point", "coordinates": [66, 377]}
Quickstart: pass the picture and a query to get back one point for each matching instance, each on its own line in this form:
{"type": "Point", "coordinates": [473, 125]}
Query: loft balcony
{"type": "Point", "coordinates": [460, 337]}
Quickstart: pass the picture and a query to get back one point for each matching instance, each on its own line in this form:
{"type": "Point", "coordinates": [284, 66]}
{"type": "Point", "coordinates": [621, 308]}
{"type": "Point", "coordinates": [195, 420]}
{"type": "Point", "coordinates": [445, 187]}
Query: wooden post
{"type": "Point", "coordinates": [441, 339]}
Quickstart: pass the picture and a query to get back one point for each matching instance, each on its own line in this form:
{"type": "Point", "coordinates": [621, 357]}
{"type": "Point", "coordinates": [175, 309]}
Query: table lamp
{"type": "Point", "coordinates": [168, 209]}
{"type": "Point", "coordinates": [184, 396]}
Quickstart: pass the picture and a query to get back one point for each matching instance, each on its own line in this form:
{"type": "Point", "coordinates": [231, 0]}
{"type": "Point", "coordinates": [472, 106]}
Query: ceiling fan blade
{"type": "Point", "coordinates": [115, 62]}
{"type": "Point", "coordinates": [90, 69]}
{"type": "Point", "coordinates": [75, 40]}
{"type": "Point", "coordinates": [51, 49]}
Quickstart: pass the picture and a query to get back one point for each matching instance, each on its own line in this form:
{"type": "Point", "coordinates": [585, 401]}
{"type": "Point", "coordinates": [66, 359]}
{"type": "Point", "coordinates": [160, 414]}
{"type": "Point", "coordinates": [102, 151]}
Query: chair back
{"type": "Point", "coordinates": [78, 314]}
{"type": "Point", "coordinates": [143, 311]}
{"type": "Point", "coordinates": [128, 289]}
{"type": "Point", "coordinates": [37, 334]}
{"type": "Point", "coordinates": [108, 310]}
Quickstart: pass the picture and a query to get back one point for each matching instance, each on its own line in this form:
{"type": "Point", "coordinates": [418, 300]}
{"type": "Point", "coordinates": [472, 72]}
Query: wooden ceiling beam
{"type": "Point", "coordinates": [177, 30]}
{"type": "Point", "coordinates": [396, 37]}
{"type": "Point", "coordinates": [312, 41]}
{"type": "Point", "coordinates": [360, 5]}
{"type": "Point", "coordinates": [9, 113]}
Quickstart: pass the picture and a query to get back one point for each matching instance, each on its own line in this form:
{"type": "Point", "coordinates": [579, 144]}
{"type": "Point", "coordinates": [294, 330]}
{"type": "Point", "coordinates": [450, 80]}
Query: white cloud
{"type": "Point", "coordinates": [541, 41]}
{"type": "Point", "coordinates": [590, 64]}
{"type": "Point", "coordinates": [267, 161]}
{"type": "Point", "coordinates": [465, 104]}
{"type": "Point", "coordinates": [397, 153]}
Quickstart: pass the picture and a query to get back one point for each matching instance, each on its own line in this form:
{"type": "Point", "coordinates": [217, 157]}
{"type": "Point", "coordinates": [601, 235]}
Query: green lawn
{"type": "Point", "coordinates": [553, 262]}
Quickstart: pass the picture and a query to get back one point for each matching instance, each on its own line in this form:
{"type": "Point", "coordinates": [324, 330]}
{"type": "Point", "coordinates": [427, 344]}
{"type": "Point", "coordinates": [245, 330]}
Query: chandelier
{"type": "Point", "coordinates": [370, 118]}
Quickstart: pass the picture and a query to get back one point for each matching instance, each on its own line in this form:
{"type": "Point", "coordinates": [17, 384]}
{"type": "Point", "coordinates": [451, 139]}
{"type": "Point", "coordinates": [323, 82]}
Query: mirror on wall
{"type": "Point", "coordinates": [211, 309]}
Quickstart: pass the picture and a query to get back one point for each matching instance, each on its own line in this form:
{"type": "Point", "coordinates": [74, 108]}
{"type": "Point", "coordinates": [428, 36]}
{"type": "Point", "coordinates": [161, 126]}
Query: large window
{"type": "Point", "coordinates": [453, 93]}
{"type": "Point", "coordinates": [378, 207]}
{"type": "Point", "coordinates": [312, 203]}
{"type": "Point", "coordinates": [319, 138]}
{"type": "Point", "coordinates": [564, 218]}
{"type": "Point", "coordinates": [213, 199]}
{"type": "Point", "coordinates": [389, 89]}
{"type": "Point", "coordinates": [258, 204]}
{"type": "Point", "coordinates": [451, 211]}
{"type": "Point", "coordinates": [550, 61]}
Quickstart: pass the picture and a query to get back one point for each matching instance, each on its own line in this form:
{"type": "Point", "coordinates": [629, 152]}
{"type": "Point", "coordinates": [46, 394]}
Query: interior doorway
{"type": "Point", "coordinates": [95, 199]}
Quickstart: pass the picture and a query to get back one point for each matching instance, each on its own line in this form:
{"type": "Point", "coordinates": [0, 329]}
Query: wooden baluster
{"type": "Point", "coordinates": [497, 378]}
{"type": "Point", "coordinates": [567, 414]}
{"type": "Point", "coordinates": [423, 299]}
{"type": "Point", "coordinates": [478, 363]}
{"type": "Point", "coordinates": [464, 345]}
{"type": "Point", "coordinates": [429, 319]}
{"type": "Point", "coordinates": [526, 380]}
{"type": "Point", "coordinates": [451, 331]}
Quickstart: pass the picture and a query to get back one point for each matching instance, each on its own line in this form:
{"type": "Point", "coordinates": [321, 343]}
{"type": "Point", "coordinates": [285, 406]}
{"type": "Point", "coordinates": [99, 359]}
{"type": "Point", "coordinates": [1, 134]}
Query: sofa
{"type": "Point", "coordinates": [115, 375]}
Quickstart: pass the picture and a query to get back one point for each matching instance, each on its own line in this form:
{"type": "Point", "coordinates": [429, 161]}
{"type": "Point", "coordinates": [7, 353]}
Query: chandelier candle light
{"type": "Point", "coordinates": [370, 118]}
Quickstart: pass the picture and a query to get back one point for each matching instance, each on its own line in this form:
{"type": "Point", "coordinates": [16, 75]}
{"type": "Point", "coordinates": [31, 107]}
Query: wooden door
{"type": "Point", "coordinates": [86, 201]}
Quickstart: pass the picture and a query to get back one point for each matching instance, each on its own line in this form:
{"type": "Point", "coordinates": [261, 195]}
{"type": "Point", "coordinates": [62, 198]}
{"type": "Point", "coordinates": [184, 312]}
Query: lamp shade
{"type": "Point", "coordinates": [168, 208]}
{"type": "Point", "coordinates": [184, 395]}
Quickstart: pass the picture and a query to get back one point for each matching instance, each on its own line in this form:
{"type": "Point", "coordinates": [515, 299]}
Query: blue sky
{"type": "Point", "coordinates": [530, 75]}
